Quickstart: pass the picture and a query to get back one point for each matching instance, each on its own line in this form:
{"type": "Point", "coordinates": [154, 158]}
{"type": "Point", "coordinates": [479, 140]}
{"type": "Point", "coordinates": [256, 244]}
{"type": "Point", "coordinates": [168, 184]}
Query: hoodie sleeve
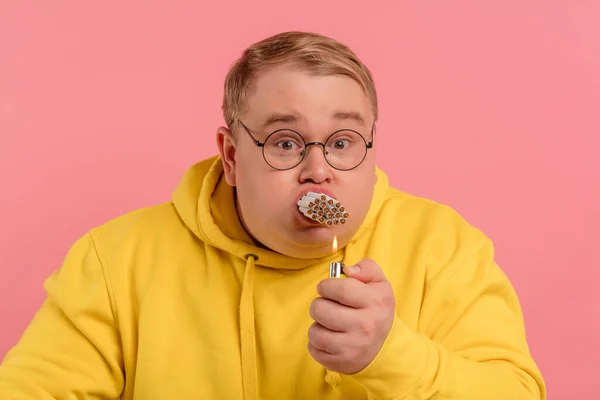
{"type": "Point", "coordinates": [71, 348]}
{"type": "Point", "coordinates": [470, 341]}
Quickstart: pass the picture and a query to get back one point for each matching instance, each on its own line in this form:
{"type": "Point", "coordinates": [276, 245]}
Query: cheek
{"type": "Point", "coordinates": [358, 191]}
{"type": "Point", "coordinates": [263, 190]}
{"type": "Point", "coordinates": [249, 168]}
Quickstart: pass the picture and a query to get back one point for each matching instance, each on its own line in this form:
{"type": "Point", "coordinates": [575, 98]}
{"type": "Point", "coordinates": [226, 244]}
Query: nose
{"type": "Point", "coordinates": [314, 167]}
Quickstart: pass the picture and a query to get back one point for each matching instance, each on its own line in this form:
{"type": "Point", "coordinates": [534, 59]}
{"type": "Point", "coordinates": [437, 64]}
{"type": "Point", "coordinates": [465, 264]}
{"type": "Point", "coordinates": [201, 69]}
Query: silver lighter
{"type": "Point", "coordinates": [336, 270]}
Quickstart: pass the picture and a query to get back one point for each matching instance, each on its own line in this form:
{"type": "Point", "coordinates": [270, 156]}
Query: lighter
{"type": "Point", "coordinates": [336, 270]}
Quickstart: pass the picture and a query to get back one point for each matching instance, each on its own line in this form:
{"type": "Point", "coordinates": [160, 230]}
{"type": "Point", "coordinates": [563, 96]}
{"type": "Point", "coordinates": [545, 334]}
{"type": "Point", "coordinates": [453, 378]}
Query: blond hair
{"type": "Point", "coordinates": [315, 53]}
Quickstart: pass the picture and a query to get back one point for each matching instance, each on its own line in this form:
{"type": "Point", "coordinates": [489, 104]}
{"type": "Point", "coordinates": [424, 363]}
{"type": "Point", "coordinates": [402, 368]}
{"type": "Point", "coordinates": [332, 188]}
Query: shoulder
{"type": "Point", "coordinates": [435, 238]}
{"type": "Point", "coordinates": [435, 230]}
{"type": "Point", "coordinates": [426, 215]}
{"type": "Point", "coordinates": [138, 234]}
{"type": "Point", "coordinates": [148, 221]}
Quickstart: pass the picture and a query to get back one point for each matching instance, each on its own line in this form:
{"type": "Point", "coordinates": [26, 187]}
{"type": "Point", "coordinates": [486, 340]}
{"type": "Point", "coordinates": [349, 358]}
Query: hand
{"type": "Point", "coordinates": [352, 317]}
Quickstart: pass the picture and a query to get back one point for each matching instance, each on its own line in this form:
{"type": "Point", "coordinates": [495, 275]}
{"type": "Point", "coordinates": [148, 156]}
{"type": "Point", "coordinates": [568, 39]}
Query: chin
{"type": "Point", "coordinates": [317, 236]}
{"type": "Point", "coordinates": [306, 243]}
{"type": "Point", "coordinates": [305, 252]}
{"type": "Point", "coordinates": [299, 237]}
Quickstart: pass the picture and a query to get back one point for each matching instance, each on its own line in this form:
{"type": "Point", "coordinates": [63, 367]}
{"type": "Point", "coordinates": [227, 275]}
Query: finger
{"type": "Point", "coordinates": [333, 315]}
{"type": "Point", "coordinates": [347, 291]}
{"type": "Point", "coordinates": [326, 359]}
{"type": "Point", "coordinates": [325, 339]}
{"type": "Point", "coordinates": [366, 271]}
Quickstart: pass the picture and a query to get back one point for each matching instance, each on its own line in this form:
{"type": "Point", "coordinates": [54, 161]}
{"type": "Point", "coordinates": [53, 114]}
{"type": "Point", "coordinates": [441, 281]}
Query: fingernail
{"type": "Point", "coordinates": [353, 269]}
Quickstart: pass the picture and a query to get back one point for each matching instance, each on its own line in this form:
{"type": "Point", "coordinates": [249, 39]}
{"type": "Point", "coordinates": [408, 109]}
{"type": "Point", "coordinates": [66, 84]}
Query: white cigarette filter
{"type": "Point", "coordinates": [322, 208]}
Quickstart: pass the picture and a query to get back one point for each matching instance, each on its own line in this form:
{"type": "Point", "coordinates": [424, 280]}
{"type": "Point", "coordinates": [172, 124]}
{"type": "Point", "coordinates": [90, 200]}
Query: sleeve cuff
{"type": "Point", "coordinates": [399, 367]}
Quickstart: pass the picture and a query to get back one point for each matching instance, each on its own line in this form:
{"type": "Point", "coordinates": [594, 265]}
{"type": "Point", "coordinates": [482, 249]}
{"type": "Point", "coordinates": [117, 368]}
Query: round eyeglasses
{"type": "Point", "coordinates": [284, 149]}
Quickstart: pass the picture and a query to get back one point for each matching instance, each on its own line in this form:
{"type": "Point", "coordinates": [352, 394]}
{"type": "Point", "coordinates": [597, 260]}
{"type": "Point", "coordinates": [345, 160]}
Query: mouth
{"type": "Point", "coordinates": [323, 209]}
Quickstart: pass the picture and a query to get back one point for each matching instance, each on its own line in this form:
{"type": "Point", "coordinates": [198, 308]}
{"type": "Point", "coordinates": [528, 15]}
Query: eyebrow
{"type": "Point", "coordinates": [353, 115]}
{"type": "Point", "coordinates": [294, 118]}
{"type": "Point", "coordinates": [280, 117]}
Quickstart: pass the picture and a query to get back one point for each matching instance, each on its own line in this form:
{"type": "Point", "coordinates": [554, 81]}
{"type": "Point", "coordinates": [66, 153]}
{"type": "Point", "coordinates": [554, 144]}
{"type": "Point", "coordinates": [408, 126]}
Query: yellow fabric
{"type": "Point", "coordinates": [248, 332]}
{"type": "Point", "coordinates": [177, 301]}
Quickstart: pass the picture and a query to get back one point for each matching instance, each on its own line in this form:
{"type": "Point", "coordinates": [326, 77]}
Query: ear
{"type": "Point", "coordinates": [226, 145]}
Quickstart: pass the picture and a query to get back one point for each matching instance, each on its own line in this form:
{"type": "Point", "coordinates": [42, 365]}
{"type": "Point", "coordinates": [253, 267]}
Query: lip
{"type": "Point", "coordinates": [315, 189]}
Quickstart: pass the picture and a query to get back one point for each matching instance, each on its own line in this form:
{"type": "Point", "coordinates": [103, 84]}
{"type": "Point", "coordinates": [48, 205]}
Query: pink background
{"type": "Point", "coordinates": [490, 108]}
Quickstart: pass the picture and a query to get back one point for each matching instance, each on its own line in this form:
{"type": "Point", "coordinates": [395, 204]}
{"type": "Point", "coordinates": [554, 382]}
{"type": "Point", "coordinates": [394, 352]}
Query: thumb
{"type": "Point", "coordinates": [365, 271]}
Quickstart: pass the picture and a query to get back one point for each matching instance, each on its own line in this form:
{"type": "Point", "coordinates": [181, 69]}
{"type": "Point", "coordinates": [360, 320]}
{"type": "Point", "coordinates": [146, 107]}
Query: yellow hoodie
{"type": "Point", "coordinates": [177, 302]}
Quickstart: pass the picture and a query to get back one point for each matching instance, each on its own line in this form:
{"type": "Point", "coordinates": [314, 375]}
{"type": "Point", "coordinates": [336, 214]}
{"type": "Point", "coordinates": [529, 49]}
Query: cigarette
{"type": "Point", "coordinates": [323, 208]}
{"type": "Point", "coordinates": [306, 211]}
{"type": "Point", "coordinates": [306, 204]}
{"type": "Point", "coordinates": [319, 196]}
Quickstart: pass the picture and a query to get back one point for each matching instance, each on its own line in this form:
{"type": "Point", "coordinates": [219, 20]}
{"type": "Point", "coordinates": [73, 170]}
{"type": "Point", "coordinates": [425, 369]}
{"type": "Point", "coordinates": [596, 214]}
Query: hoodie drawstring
{"type": "Point", "coordinates": [248, 331]}
{"type": "Point", "coordinates": [333, 379]}
{"type": "Point", "coordinates": [248, 336]}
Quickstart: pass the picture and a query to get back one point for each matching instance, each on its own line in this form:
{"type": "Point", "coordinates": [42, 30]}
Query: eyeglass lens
{"type": "Point", "coordinates": [343, 150]}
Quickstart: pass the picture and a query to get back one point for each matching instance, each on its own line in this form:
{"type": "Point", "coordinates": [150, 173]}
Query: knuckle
{"type": "Point", "coordinates": [386, 302]}
{"type": "Point", "coordinates": [368, 263]}
{"type": "Point", "coordinates": [317, 309]}
{"type": "Point", "coordinates": [320, 286]}
{"type": "Point", "coordinates": [311, 309]}
{"type": "Point", "coordinates": [379, 301]}
{"type": "Point", "coordinates": [321, 341]}
{"type": "Point", "coordinates": [367, 328]}
{"type": "Point", "coordinates": [318, 337]}
{"type": "Point", "coordinates": [312, 334]}
{"type": "Point", "coordinates": [389, 300]}
{"type": "Point", "coordinates": [384, 297]}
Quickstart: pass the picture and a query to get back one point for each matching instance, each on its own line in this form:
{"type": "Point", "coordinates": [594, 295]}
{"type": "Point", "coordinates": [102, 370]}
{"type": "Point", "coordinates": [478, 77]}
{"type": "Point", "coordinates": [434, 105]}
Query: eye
{"type": "Point", "coordinates": [287, 145]}
{"type": "Point", "coordinates": [340, 144]}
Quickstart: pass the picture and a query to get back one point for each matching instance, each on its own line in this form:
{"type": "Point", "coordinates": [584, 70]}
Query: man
{"type": "Point", "coordinates": [225, 292]}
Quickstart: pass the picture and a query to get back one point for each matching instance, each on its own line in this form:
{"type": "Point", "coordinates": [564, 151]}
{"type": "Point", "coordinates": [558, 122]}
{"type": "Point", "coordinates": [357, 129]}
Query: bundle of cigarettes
{"type": "Point", "coordinates": [322, 208]}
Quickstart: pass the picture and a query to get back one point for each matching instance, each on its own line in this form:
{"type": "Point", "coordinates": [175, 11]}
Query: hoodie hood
{"type": "Point", "coordinates": [206, 204]}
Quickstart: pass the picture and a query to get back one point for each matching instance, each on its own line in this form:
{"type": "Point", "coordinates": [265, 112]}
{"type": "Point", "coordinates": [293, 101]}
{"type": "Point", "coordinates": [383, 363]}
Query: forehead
{"type": "Point", "coordinates": [288, 94]}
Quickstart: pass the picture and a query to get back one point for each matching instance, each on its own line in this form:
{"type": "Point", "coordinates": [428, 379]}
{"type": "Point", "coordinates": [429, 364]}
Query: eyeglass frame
{"type": "Point", "coordinates": [368, 145]}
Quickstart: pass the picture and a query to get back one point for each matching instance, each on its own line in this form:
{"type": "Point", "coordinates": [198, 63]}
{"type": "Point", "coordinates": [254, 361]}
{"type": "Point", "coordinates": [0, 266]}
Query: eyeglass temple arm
{"type": "Point", "coordinates": [370, 144]}
{"type": "Point", "coordinates": [256, 142]}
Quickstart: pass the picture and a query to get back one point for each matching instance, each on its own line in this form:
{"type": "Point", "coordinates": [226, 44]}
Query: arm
{"type": "Point", "coordinates": [470, 342]}
{"type": "Point", "coordinates": [71, 349]}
